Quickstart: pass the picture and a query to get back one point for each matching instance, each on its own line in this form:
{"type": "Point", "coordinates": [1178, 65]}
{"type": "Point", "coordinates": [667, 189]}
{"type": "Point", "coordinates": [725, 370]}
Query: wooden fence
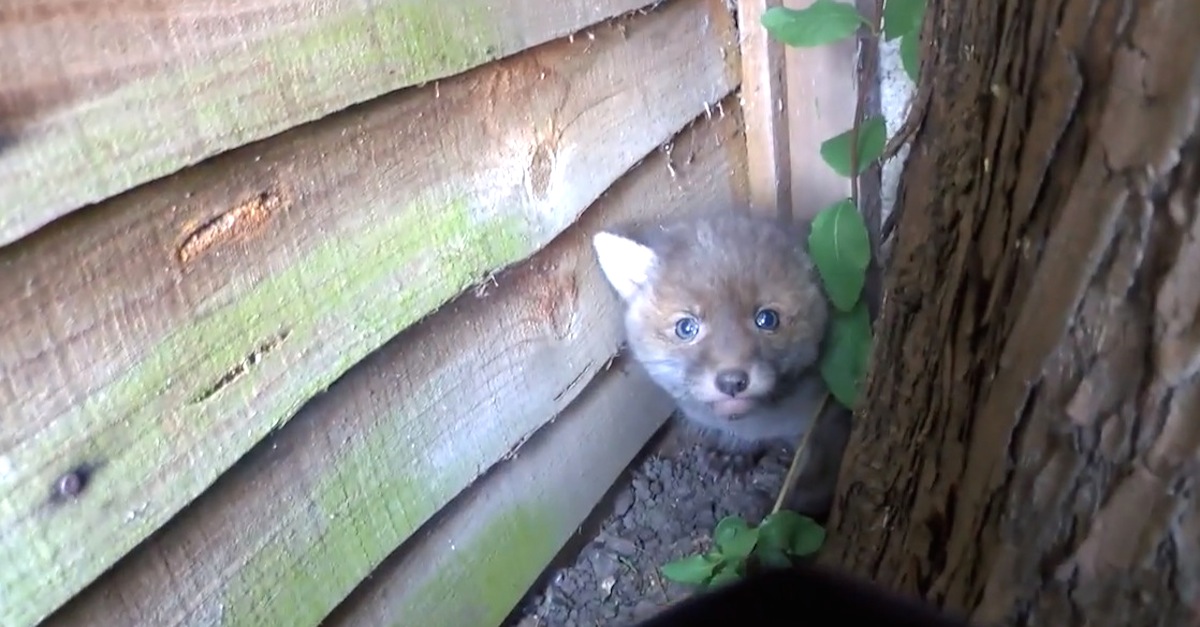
{"type": "Point", "coordinates": [301, 322]}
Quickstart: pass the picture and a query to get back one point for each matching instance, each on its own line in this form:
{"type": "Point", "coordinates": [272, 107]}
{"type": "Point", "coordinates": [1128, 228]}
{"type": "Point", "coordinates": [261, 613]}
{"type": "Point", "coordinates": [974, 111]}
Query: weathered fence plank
{"type": "Point", "coordinates": [509, 526]}
{"type": "Point", "coordinates": [98, 97]}
{"type": "Point", "coordinates": [821, 94]}
{"type": "Point", "coordinates": [764, 100]}
{"type": "Point", "coordinates": [151, 340]}
{"type": "Point", "coordinates": [320, 503]}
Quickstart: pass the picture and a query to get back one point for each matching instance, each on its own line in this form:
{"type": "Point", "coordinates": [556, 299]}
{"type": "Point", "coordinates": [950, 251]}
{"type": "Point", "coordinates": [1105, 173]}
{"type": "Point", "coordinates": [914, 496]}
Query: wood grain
{"type": "Point", "coordinates": [764, 101]}
{"type": "Point", "coordinates": [99, 97]}
{"type": "Point", "coordinates": [365, 464]}
{"type": "Point", "coordinates": [487, 550]}
{"type": "Point", "coordinates": [821, 88]}
{"type": "Point", "coordinates": [155, 338]}
{"type": "Point", "coordinates": [1027, 452]}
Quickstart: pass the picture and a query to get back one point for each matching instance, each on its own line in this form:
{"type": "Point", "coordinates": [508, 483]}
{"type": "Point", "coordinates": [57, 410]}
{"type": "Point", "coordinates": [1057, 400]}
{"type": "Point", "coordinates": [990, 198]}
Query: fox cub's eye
{"type": "Point", "coordinates": [687, 328]}
{"type": "Point", "coordinates": [766, 319]}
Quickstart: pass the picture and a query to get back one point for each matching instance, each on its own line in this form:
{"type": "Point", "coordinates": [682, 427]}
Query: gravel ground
{"type": "Point", "coordinates": [672, 501]}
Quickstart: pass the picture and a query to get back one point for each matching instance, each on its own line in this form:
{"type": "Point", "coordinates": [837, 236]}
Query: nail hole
{"type": "Point", "coordinates": [71, 483]}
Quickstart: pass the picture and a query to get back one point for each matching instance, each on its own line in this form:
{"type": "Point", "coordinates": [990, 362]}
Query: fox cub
{"type": "Point", "coordinates": [726, 313]}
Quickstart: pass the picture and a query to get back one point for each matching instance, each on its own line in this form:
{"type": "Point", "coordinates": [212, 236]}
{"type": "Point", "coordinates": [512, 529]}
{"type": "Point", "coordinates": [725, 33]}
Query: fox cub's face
{"type": "Point", "coordinates": [718, 308]}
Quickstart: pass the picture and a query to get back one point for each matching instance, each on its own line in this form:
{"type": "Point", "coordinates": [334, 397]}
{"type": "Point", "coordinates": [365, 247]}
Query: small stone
{"type": "Point", "coordinates": [650, 546]}
{"type": "Point", "coordinates": [606, 585]}
{"type": "Point", "coordinates": [620, 546]}
{"type": "Point", "coordinates": [657, 521]}
{"type": "Point", "coordinates": [567, 585]}
{"type": "Point", "coordinates": [623, 502]}
{"type": "Point", "coordinates": [603, 563]}
{"type": "Point", "coordinates": [641, 488]}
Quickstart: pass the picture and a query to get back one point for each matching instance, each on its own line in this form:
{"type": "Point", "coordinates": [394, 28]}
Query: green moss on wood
{"type": "Point", "coordinates": [399, 43]}
{"type": "Point", "coordinates": [183, 114]}
{"type": "Point", "coordinates": [485, 552]}
{"type": "Point", "coordinates": [407, 263]}
{"type": "Point", "coordinates": [479, 581]}
{"type": "Point", "coordinates": [352, 522]}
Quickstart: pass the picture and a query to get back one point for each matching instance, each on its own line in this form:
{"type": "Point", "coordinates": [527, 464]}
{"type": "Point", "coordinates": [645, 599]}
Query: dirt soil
{"type": "Point", "coordinates": [673, 498]}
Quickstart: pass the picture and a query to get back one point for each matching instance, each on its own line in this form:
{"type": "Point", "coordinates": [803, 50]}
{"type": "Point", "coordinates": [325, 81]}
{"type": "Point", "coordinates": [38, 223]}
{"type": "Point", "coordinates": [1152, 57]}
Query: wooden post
{"type": "Point", "coordinates": [793, 99]}
{"type": "Point", "coordinates": [765, 111]}
{"type": "Point", "coordinates": [820, 104]}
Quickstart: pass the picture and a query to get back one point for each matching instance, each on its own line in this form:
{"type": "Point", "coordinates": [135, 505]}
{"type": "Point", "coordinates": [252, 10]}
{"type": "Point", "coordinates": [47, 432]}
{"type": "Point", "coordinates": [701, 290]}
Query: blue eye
{"type": "Point", "coordinates": [766, 319]}
{"type": "Point", "coordinates": [687, 328]}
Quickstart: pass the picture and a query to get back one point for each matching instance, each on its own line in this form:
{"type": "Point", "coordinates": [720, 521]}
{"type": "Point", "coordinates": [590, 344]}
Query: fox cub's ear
{"type": "Point", "coordinates": [626, 264]}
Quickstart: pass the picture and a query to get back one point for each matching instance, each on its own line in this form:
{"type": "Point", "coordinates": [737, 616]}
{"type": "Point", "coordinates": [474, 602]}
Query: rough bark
{"type": "Point", "coordinates": [1028, 450]}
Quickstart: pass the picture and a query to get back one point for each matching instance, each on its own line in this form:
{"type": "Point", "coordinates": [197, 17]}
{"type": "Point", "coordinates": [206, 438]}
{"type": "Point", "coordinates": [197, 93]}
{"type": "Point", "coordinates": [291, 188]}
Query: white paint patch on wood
{"type": "Point", "coordinates": [896, 91]}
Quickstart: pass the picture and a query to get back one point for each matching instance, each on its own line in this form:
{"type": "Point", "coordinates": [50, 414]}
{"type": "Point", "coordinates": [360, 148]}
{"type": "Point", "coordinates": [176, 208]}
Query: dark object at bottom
{"type": "Point", "coordinates": [802, 595]}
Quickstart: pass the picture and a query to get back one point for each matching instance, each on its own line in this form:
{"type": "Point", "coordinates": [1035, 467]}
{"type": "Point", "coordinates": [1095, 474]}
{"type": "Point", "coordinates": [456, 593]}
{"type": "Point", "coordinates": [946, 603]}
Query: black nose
{"type": "Point", "coordinates": [732, 382]}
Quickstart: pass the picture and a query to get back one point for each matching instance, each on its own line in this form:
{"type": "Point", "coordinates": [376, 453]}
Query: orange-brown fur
{"type": "Point", "coordinates": [721, 269]}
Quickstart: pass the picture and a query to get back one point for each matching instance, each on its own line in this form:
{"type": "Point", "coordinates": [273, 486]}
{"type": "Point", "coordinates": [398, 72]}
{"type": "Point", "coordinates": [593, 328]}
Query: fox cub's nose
{"type": "Point", "coordinates": [732, 382]}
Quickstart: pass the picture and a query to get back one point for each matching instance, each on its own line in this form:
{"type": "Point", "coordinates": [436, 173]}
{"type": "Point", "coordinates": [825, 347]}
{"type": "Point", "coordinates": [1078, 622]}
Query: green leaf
{"type": "Point", "coordinates": [901, 17]}
{"type": "Point", "coordinates": [808, 539]}
{"type": "Point", "coordinates": [823, 22]}
{"type": "Point", "coordinates": [775, 531]}
{"type": "Point", "coordinates": [734, 537]}
{"type": "Point", "coordinates": [791, 533]}
{"type": "Point", "coordinates": [773, 558]}
{"type": "Point", "coordinates": [844, 361]}
{"type": "Point", "coordinates": [728, 573]}
{"type": "Point", "coordinates": [693, 569]}
{"type": "Point", "coordinates": [910, 54]}
{"type": "Point", "coordinates": [872, 139]}
{"type": "Point", "coordinates": [840, 248]}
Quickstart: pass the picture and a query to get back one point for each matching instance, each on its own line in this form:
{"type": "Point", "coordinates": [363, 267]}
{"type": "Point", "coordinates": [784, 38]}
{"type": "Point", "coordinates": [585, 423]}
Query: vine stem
{"type": "Point", "coordinates": [793, 473]}
{"type": "Point", "coordinates": [860, 105]}
{"type": "Point", "coordinates": [860, 102]}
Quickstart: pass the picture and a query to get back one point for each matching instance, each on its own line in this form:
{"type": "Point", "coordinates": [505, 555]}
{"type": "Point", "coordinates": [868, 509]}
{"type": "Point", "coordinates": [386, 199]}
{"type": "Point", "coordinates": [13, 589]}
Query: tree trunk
{"type": "Point", "coordinates": [1028, 449]}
